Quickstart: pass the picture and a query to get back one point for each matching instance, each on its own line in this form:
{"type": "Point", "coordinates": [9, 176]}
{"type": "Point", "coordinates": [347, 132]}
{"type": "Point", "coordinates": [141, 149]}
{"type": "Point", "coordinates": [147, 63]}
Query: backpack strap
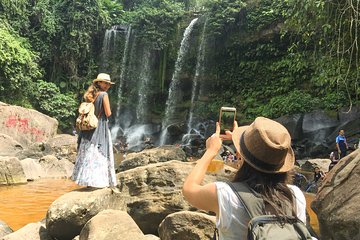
{"type": "Point", "coordinates": [251, 200]}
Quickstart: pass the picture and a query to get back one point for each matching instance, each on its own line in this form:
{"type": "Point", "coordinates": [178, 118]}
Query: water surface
{"type": "Point", "coordinates": [27, 203]}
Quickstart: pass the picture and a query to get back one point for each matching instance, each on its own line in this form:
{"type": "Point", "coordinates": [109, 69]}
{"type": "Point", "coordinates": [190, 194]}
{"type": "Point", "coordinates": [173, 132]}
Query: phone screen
{"type": "Point", "coordinates": [227, 119]}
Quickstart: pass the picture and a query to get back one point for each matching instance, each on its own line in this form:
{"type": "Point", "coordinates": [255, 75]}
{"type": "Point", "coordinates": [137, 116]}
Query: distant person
{"type": "Point", "coordinates": [334, 160]}
{"type": "Point", "coordinates": [94, 166]}
{"type": "Point", "coordinates": [299, 180]}
{"type": "Point", "coordinates": [318, 175]}
{"type": "Point", "coordinates": [341, 144]}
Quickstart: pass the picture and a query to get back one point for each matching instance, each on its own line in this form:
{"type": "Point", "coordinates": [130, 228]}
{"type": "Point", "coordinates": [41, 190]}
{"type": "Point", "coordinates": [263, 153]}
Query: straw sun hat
{"type": "Point", "coordinates": [265, 145]}
{"type": "Point", "coordinates": [103, 77]}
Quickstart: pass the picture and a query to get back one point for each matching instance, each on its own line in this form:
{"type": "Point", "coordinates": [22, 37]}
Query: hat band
{"type": "Point", "coordinates": [248, 156]}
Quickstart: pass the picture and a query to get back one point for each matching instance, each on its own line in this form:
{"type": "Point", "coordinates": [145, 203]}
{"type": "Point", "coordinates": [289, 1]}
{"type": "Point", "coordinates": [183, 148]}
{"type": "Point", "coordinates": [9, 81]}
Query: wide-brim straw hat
{"type": "Point", "coordinates": [103, 77]}
{"type": "Point", "coordinates": [265, 145]}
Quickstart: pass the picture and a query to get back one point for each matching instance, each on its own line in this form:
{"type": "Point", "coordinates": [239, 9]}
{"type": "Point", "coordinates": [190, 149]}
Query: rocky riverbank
{"type": "Point", "coordinates": [148, 203]}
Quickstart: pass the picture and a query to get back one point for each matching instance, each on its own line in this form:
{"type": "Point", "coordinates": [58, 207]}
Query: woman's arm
{"type": "Point", "coordinates": [106, 105]}
{"type": "Point", "coordinates": [203, 197]}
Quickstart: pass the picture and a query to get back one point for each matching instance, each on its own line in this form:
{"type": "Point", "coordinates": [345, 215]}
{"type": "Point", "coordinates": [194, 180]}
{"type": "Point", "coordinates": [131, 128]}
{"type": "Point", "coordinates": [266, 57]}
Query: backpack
{"type": "Point", "coordinates": [262, 226]}
{"type": "Point", "coordinates": [87, 119]}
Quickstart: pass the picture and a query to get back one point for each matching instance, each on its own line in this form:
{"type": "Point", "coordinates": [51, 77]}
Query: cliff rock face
{"type": "Point", "coordinates": [26, 125]}
{"type": "Point", "coordinates": [337, 202]}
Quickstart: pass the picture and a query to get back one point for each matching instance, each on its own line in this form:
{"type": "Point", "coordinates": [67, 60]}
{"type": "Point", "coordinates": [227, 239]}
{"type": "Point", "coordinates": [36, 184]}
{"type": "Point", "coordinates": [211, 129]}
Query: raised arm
{"type": "Point", "coordinates": [203, 196]}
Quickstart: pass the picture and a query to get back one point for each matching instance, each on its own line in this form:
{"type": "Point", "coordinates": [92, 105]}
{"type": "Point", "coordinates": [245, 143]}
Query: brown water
{"type": "Point", "coordinates": [313, 217]}
{"type": "Point", "coordinates": [27, 203]}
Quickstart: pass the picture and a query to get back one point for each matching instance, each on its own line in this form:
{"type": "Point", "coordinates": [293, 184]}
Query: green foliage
{"type": "Point", "coordinates": [18, 66]}
{"type": "Point", "coordinates": [50, 101]}
{"type": "Point", "coordinates": [155, 21]}
{"type": "Point", "coordinates": [297, 101]}
{"type": "Point", "coordinates": [222, 14]}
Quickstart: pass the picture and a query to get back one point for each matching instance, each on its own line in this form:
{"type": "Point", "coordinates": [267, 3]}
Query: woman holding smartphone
{"type": "Point", "coordinates": [264, 150]}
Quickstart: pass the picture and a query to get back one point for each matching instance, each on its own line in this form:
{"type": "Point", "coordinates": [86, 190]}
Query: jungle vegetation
{"type": "Point", "coordinates": [269, 57]}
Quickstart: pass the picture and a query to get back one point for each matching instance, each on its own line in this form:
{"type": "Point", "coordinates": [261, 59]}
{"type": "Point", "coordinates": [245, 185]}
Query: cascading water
{"type": "Point", "coordinates": [199, 70]}
{"type": "Point", "coordinates": [124, 61]}
{"type": "Point", "coordinates": [174, 97]}
{"type": "Point", "coordinates": [143, 86]}
{"type": "Point", "coordinates": [108, 47]}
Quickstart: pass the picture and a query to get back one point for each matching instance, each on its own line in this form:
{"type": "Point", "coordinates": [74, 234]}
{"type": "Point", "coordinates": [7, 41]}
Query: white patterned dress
{"type": "Point", "coordinates": [94, 166]}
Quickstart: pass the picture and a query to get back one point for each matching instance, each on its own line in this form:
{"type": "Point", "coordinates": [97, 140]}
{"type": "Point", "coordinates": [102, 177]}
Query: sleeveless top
{"type": "Point", "coordinates": [233, 219]}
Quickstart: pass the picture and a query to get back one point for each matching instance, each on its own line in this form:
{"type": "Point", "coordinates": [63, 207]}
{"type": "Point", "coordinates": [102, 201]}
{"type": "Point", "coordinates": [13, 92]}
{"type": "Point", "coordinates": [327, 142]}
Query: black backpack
{"type": "Point", "coordinates": [262, 226]}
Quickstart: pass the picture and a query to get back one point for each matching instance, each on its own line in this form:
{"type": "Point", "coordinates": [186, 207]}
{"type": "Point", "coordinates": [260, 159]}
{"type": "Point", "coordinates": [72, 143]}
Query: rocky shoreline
{"type": "Point", "coordinates": [148, 203]}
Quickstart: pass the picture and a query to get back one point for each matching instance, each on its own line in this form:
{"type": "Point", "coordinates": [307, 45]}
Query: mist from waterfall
{"type": "Point", "coordinates": [174, 91]}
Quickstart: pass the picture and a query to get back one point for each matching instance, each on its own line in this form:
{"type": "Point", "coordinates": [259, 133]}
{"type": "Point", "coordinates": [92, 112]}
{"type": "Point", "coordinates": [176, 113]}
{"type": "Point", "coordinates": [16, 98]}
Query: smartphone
{"type": "Point", "coordinates": [226, 119]}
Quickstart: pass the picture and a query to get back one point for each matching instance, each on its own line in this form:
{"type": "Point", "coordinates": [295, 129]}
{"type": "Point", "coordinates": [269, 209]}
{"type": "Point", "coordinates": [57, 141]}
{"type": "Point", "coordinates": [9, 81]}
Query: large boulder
{"type": "Point", "coordinates": [26, 125]}
{"type": "Point", "coordinates": [11, 171]}
{"type": "Point", "coordinates": [293, 123]}
{"type": "Point", "coordinates": [187, 225]}
{"type": "Point", "coordinates": [310, 164]}
{"type": "Point", "coordinates": [64, 146]}
{"type": "Point", "coordinates": [68, 214]}
{"type": "Point", "coordinates": [32, 231]}
{"type": "Point", "coordinates": [111, 224]}
{"type": "Point", "coordinates": [47, 167]}
{"type": "Point", "coordinates": [35, 150]}
{"type": "Point", "coordinates": [154, 155]}
{"type": "Point", "coordinates": [337, 202]}
{"type": "Point", "coordinates": [4, 229]}
{"type": "Point", "coordinates": [8, 146]}
{"type": "Point", "coordinates": [154, 191]}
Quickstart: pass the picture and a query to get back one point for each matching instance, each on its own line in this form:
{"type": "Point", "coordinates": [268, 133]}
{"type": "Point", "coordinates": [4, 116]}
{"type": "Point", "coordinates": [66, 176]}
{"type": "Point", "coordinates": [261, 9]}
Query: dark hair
{"type": "Point", "coordinates": [271, 186]}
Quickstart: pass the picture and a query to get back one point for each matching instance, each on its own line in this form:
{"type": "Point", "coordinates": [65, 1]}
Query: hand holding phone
{"type": "Point", "coordinates": [227, 119]}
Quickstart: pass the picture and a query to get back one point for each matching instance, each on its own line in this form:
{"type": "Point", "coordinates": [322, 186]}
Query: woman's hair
{"type": "Point", "coordinates": [271, 186]}
{"type": "Point", "coordinates": [91, 92]}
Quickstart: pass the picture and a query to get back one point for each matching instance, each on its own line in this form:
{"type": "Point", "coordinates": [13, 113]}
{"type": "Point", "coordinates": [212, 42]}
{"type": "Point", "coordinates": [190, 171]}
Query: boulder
{"type": "Point", "coordinates": [151, 237]}
{"type": "Point", "coordinates": [154, 191]}
{"type": "Point", "coordinates": [68, 214]}
{"type": "Point", "coordinates": [317, 125]}
{"type": "Point", "coordinates": [8, 146]}
{"type": "Point", "coordinates": [4, 229]}
{"type": "Point", "coordinates": [337, 202]}
{"type": "Point", "coordinates": [293, 123]}
{"type": "Point", "coordinates": [32, 231]}
{"type": "Point", "coordinates": [111, 224]}
{"type": "Point", "coordinates": [35, 150]}
{"type": "Point", "coordinates": [26, 125]}
{"type": "Point", "coordinates": [154, 155]}
{"type": "Point", "coordinates": [187, 225]}
{"type": "Point", "coordinates": [47, 167]}
{"type": "Point", "coordinates": [11, 171]}
{"type": "Point", "coordinates": [310, 164]}
{"type": "Point", "coordinates": [64, 146]}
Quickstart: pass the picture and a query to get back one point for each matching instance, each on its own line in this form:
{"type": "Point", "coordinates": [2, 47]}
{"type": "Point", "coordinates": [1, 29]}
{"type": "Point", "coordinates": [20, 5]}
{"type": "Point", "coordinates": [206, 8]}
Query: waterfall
{"type": "Point", "coordinates": [124, 61]}
{"type": "Point", "coordinates": [143, 86]}
{"type": "Point", "coordinates": [174, 92]}
{"type": "Point", "coordinates": [108, 47]}
{"type": "Point", "coordinates": [199, 70]}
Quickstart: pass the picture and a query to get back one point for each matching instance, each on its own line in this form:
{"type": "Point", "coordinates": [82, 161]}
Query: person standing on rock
{"type": "Point", "coordinates": [266, 160]}
{"type": "Point", "coordinates": [341, 144]}
{"type": "Point", "coordinates": [94, 166]}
